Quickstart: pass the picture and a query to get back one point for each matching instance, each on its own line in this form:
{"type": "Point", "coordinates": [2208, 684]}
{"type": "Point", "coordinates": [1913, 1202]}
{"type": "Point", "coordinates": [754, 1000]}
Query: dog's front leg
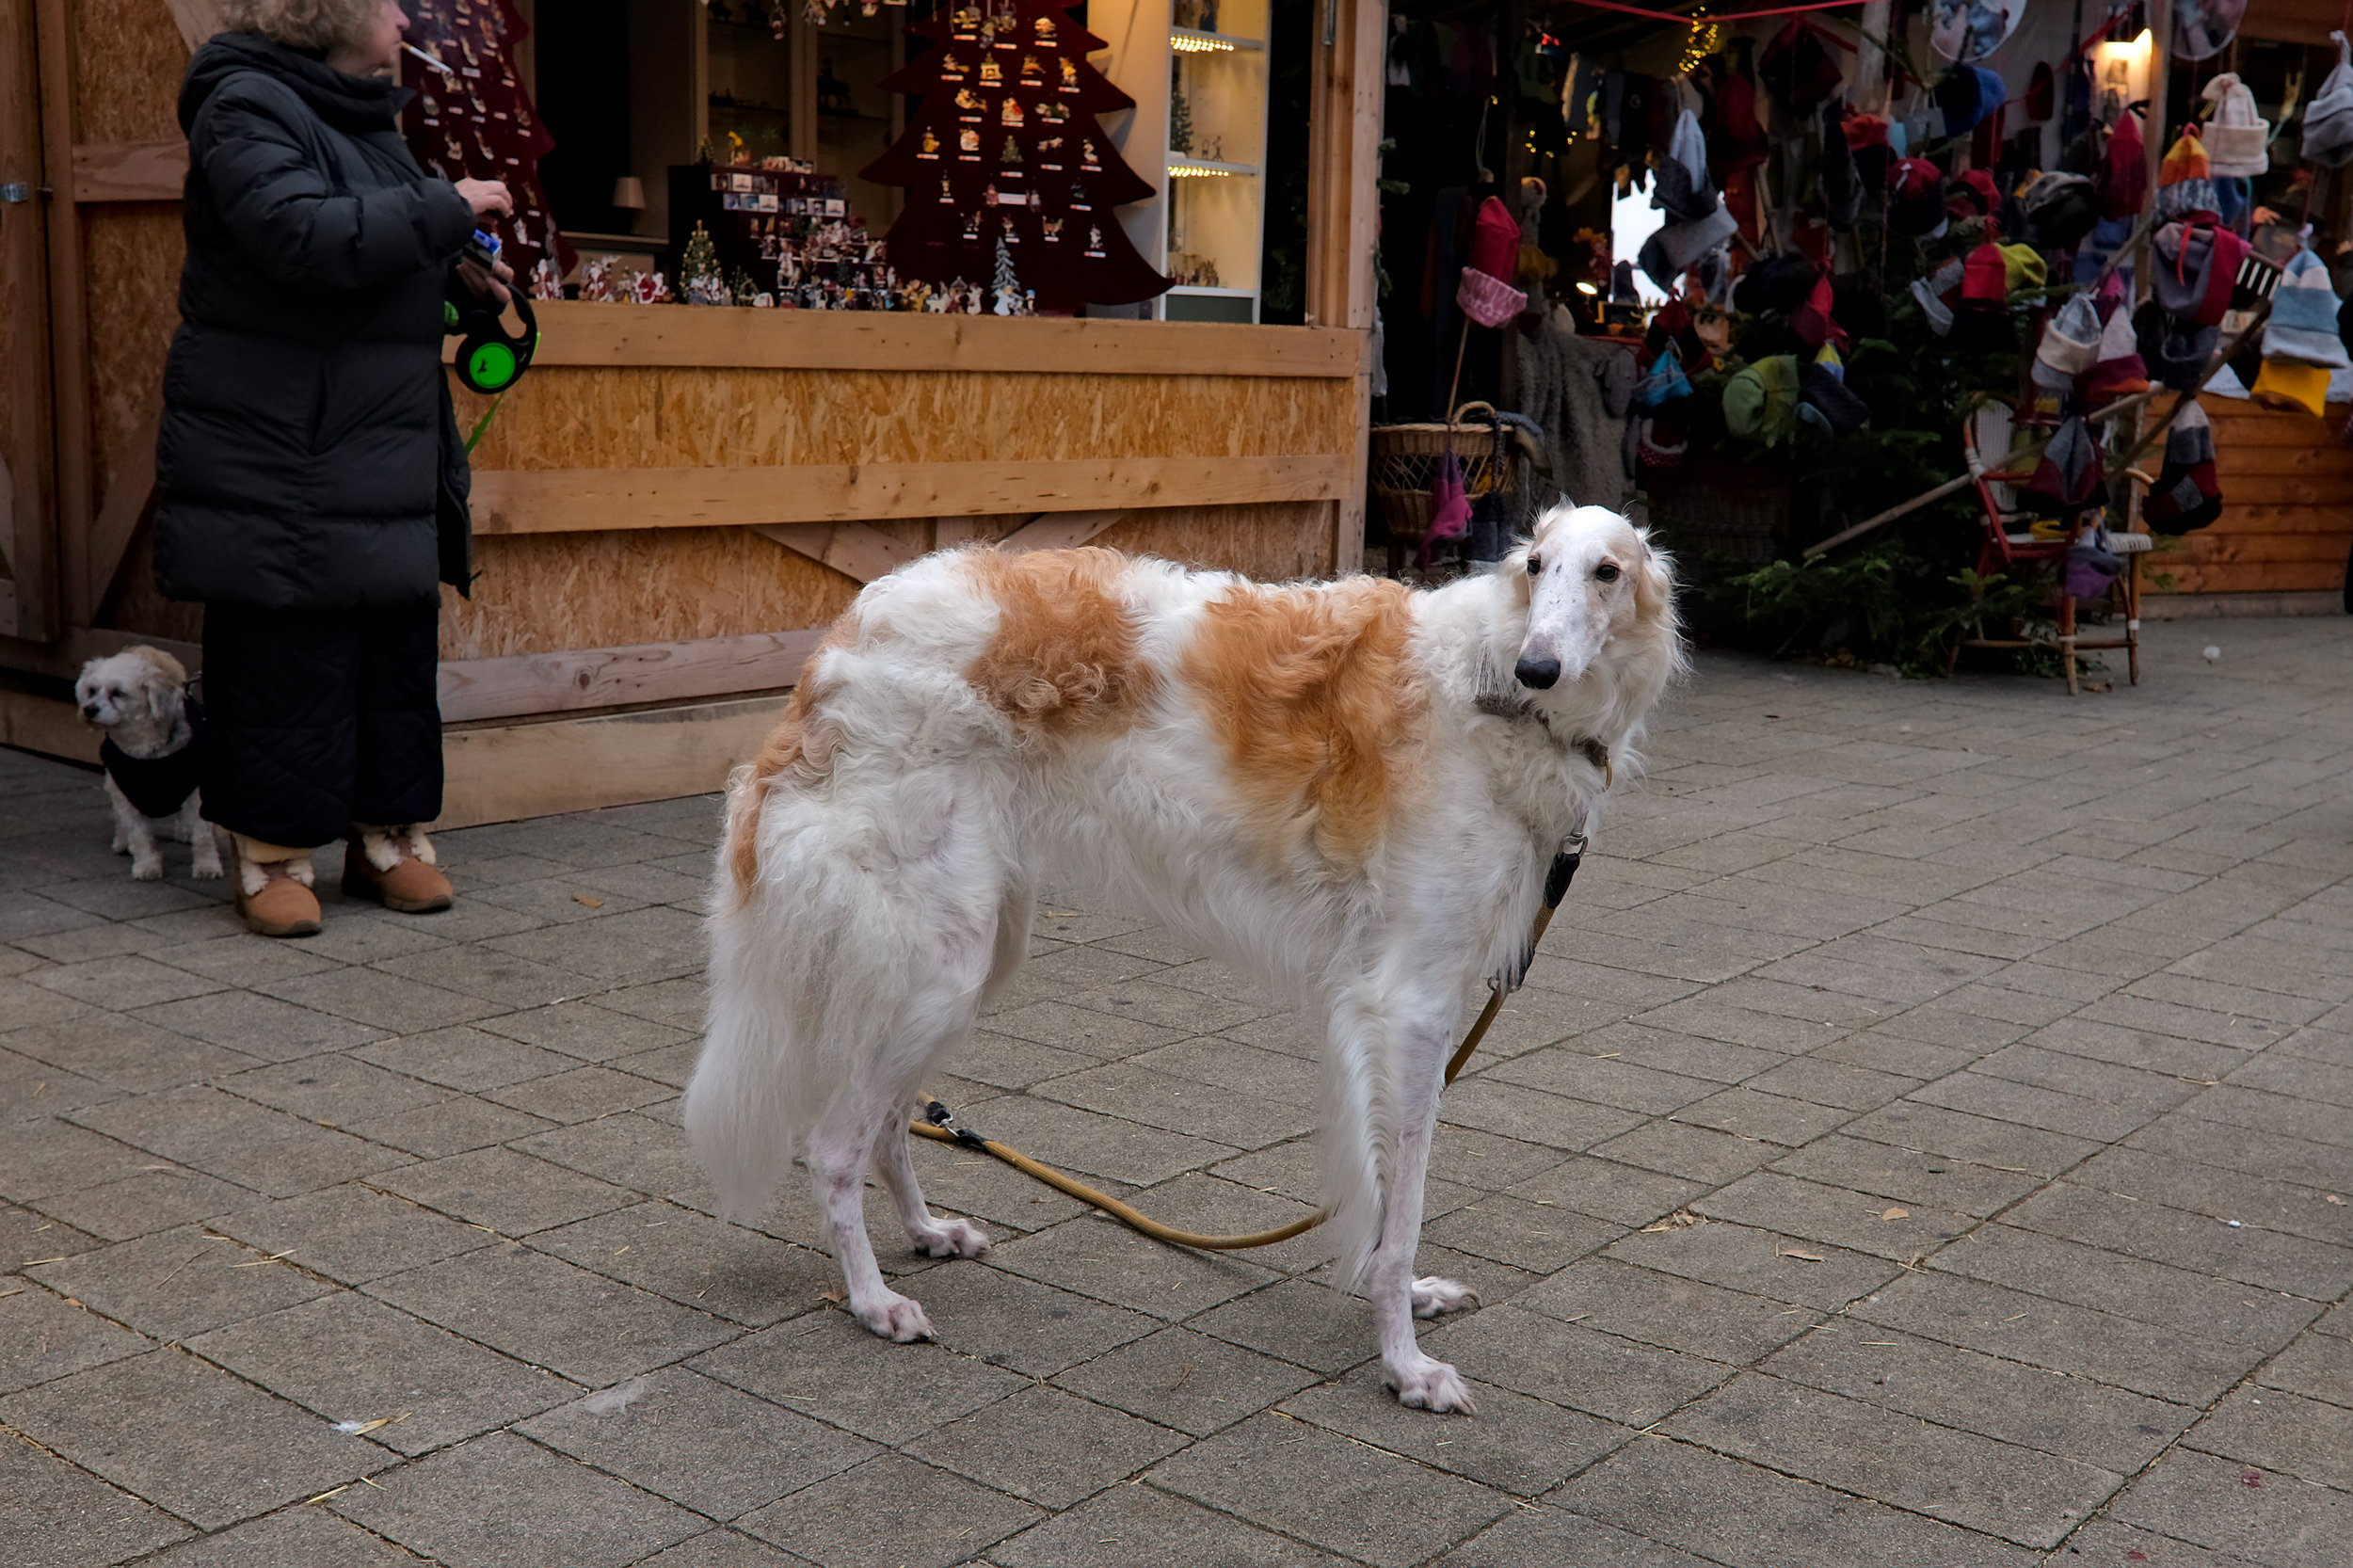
{"type": "Point", "coordinates": [204, 848]}
{"type": "Point", "coordinates": [1397, 1298]}
{"type": "Point", "coordinates": [134, 832]}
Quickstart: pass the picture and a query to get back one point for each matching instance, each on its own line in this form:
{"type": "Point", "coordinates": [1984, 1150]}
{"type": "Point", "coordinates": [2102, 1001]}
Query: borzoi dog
{"type": "Point", "coordinates": [1349, 790]}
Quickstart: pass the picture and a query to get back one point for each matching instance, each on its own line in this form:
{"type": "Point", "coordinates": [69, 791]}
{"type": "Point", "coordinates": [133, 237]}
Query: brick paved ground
{"type": "Point", "coordinates": [1925, 1147]}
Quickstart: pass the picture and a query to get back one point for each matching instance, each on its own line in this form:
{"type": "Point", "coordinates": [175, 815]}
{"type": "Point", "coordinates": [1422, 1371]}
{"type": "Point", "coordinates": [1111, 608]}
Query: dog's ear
{"type": "Point", "coordinates": [1654, 581]}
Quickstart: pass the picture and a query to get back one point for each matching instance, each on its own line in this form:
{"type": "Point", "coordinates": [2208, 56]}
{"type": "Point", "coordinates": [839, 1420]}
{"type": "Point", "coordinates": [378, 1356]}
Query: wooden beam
{"type": "Point", "coordinates": [731, 338]}
{"type": "Point", "coordinates": [578, 501]}
{"type": "Point", "coordinates": [68, 306]}
{"type": "Point", "coordinates": [577, 679]}
{"type": "Point", "coordinates": [130, 171]}
{"type": "Point", "coordinates": [28, 515]}
{"type": "Point", "coordinates": [508, 772]}
{"type": "Point", "coordinates": [855, 550]}
{"type": "Point", "coordinates": [126, 507]}
{"type": "Point", "coordinates": [1063, 530]}
{"type": "Point", "coordinates": [78, 645]}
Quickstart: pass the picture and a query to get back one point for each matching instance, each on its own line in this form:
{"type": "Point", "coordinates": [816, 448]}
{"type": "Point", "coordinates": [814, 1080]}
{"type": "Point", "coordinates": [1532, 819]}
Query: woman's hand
{"type": "Point", "coordinates": [493, 282]}
{"type": "Point", "coordinates": [486, 196]}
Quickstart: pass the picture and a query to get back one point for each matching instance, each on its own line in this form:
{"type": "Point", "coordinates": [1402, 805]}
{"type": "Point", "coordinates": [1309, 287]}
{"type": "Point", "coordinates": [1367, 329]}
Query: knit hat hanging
{"type": "Point", "coordinates": [1824, 400]}
{"type": "Point", "coordinates": [2059, 209]}
{"type": "Point", "coordinates": [2238, 141]}
{"type": "Point", "coordinates": [2186, 178]}
{"type": "Point", "coordinates": [2042, 94]}
{"type": "Point", "coordinates": [1761, 400]}
{"type": "Point", "coordinates": [1485, 292]}
{"type": "Point", "coordinates": [2292, 384]}
{"type": "Point", "coordinates": [1936, 293]}
{"type": "Point", "coordinates": [2123, 179]}
{"type": "Point", "coordinates": [2329, 119]}
{"type": "Point", "coordinates": [1797, 69]}
{"type": "Point", "coordinates": [2176, 352]}
{"type": "Point", "coordinates": [2303, 324]}
{"type": "Point", "coordinates": [2071, 476]}
{"type": "Point", "coordinates": [2026, 268]}
{"type": "Point", "coordinates": [2193, 267]}
{"type": "Point", "coordinates": [1915, 199]}
{"type": "Point", "coordinates": [2117, 370]}
{"type": "Point", "coordinates": [1697, 219]}
{"type": "Point", "coordinates": [2069, 346]}
{"type": "Point", "coordinates": [2187, 494]}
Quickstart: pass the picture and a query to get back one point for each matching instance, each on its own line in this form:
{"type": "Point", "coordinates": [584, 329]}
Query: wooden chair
{"type": "Point", "coordinates": [2009, 542]}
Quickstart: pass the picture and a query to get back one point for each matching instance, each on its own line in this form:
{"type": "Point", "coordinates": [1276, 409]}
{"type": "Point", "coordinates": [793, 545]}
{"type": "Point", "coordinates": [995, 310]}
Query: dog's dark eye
{"type": "Point", "coordinates": [1535, 566]}
{"type": "Point", "coordinates": [1607, 571]}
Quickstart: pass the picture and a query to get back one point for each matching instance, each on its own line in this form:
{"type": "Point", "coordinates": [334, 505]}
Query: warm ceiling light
{"type": "Point", "coordinates": [1587, 288]}
{"type": "Point", "coordinates": [1194, 43]}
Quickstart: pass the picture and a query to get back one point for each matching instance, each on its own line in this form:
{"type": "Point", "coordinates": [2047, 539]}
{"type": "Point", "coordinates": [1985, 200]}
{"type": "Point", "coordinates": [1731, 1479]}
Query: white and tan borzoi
{"type": "Point", "coordinates": [1351, 790]}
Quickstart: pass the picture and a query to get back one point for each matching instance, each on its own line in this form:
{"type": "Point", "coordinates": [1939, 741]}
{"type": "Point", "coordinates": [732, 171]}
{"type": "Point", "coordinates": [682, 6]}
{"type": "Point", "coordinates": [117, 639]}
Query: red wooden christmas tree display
{"type": "Point", "coordinates": [472, 119]}
{"type": "Point", "coordinates": [1007, 145]}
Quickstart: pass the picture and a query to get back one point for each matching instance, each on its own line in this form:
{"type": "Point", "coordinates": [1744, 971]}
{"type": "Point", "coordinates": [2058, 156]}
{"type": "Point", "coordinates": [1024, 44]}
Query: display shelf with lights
{"type": "Point", "coordinates": [1198, 70]}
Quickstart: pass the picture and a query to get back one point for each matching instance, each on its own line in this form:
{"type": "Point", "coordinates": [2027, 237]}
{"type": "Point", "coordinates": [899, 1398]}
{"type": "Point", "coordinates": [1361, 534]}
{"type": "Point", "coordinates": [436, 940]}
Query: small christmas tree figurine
{"type": "Point", "coordinates": [1180, 110]}
{"type": "Point", "coordinates": [1052, 165]}
{"type": "Point", "coordinates": [1006, 286]}
{"type": "Point", "coordinates": [698, 271]}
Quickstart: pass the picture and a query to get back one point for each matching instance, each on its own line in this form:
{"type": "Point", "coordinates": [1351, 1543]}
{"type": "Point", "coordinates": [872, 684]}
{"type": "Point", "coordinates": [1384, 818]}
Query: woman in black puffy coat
{"type": "Point", "coordinates": [314, 487]}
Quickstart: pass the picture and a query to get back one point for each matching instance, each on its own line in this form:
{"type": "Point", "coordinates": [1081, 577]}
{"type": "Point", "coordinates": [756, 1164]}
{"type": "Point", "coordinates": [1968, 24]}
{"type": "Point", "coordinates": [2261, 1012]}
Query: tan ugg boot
{"type": "Point", "coordinates": [274, 896]}
{"type": "Point", "coordinates": [394, 867]}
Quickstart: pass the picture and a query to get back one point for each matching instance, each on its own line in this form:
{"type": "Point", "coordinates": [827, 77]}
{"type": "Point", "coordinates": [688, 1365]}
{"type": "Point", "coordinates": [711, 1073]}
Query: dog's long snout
{"type": "Point", "coordinates": [89, 710]}
{"type": "Point", "coordinates": [1538, 673]}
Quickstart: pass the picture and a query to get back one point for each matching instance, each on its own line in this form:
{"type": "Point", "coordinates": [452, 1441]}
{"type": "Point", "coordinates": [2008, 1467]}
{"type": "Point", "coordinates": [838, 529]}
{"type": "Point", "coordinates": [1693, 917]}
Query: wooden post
{"type": "Point", "coordinates": [69, 308]}
{"type": "Point", "coordinates": [1351, 41]}
{"type": "Point", "coordinates": [28, 518]}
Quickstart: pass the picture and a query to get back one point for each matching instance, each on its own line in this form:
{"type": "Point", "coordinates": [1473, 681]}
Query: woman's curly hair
{"type": "Point", "coordinates": [300, 24]}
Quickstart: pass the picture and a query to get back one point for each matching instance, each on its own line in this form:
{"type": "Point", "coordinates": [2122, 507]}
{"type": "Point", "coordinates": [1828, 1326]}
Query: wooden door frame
{"type": "Point", "coordinates": [1345, 98]}
{"type": "Point", "coordinates": [28, 509]}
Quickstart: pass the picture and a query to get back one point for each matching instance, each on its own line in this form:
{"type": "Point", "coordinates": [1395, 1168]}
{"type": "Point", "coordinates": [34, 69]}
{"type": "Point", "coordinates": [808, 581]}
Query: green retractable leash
{"type": "Point", "coordinates": [490, 360]}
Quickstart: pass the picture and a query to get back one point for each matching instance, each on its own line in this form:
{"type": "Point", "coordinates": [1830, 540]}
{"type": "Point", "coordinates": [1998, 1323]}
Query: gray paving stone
{"type": "Point", "coordinates": [733, 1271]}
{"type": "Point", "coordinates": [1097, 1257]}
{"type": "Point", "coordinates": [722, 1548]}
{"type": "Point", "coordinates": [122, 1052]}
{"type": "Point", "coordinates": [510, 1193]}
{"type": "Point", "coordinates": [714, 1448]}
{"type": "Point", "coordinates": [1539, 1538]}
{"type": "Point", "coordinates": [179, 1282]}
{"type": "Point", "coordinates": [311, 1537]}
{"type": "Point", "coordinates": [2130, 1286]}
{"type": "Point", "coordinates": [2249, 1513]}
{"type": "Point", "coordinates": [454, 1126]}
{"type": "Point", "coordinates": [2202, 1243]}
{"type": "Point", "coordinates": [1906, 1175]}
{"type": "Point", "coordinates": [122, 983]}
{"type": "Point", "coordinates": [1571, 1364]}
{"type": "Point", "coordinates": [333, 1091]}
{"type": "Point", "coordinates": [1740, 1515]}
{"type": "Point", "coordinates": [826, 1365]}
{"type": "Point", "coordinates": [1760, 1262]}
{"type": "Point", "coordinates": [464, 1058]}
{"type": "Point", "coordinates": [619, 950]}
{"type": "Point", "coordinates": [1860, 1222]}
{"type": "Point", "coordinates": [1518, 1445]}
{"type": "Point", "coordinates": [265, 1027]}
{"type": "Point", "coordinates": [350, 1359]}
{"type": "Point", "coordinates": [503, 1503]}
{"type": "Point", "coordinates": [1125, 1525]}
{"type": "Point", "coordinates": [382, 1000]}
{"type": "Point", "coordinates": [1345, 1497]}
{"type": "Point", "coordinates": [2318, 1365]}
{"type": "Point", "coordinates": [44, 1337]}
{"type": "Point", "coordinates": [2074, 1417]}
{"type": "Point", "coordinates": [579, 1094]}
{"type": "Point", "coordinates": [2032, 1498]}
{"type": "Point", "coordinates": [1182, 1379]}
{"type": "Point", "coordinates": [1019, 1324]}
{"type": "Point", "coordinates": [350, 1234]}
{"type": "Point", "coordinates": [1664, 1310]}
{"type": "Point", "coordinates": [2310, 1439]}
{"type": "Point", "coordinates": [891, 1509]}
{"type": "Point", "coordinates": [547, 1313]}
{"type": "Point", "coordinates": [1045, 1446]}
{"type": "Point", "coordinates": [56, 1516]}
{"type": "Point", "coordinates": [228, 1452]}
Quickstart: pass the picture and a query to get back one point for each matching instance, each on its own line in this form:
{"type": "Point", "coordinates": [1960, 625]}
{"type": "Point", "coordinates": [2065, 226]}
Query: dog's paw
{"type": "Point", "coordinates": [1430, 1386]}
{"type": "Point", "coordinates": [146, 868]}
{"type": "Point", "coordinates": [952, 1238]}
{"type": "Point", "coordinates": [207, 869]}
{"type": "Point", "coordinates": [896, 1318]}
{"type": "Point", "coordinates": [1433, 1296]}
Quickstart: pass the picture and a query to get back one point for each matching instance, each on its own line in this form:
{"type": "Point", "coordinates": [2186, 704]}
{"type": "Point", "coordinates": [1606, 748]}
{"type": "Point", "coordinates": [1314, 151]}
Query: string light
{"type": "Point", "coordinates": [1705, 38]}
{"type": "Point", "coordinates": [1194, 43]}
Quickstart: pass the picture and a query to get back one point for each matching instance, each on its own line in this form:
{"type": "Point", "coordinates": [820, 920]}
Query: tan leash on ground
{"type": "Point", "coordinates": [939, 1122]}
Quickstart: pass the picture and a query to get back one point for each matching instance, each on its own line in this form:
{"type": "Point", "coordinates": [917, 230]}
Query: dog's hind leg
{"type": "Point", "coordinates": [204, 850]}
{"type": "Point", "coordinates": [134, 832]}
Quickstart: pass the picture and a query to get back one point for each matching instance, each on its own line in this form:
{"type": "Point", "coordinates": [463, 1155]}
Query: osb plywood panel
{"type": "Point", "coordinates": [1272, 542]}
{"type": "Point", "coordinates": [540, 594]}
{"type": "Point", "coordinates": [611, 417]}
{"type": "Point", "coordinates": [128, 59]}
{"type": "Point", "coordinates": [133, 257]}
{"type": "Point", "coordinates": [2287, 508]}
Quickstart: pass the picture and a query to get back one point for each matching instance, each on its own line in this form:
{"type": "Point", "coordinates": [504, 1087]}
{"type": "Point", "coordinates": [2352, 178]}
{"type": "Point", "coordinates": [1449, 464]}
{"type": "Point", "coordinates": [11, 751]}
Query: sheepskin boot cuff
{"type": "Point", "coordinates": [274, 882]}
{"type": "Point", "coordinates": [394, 866]}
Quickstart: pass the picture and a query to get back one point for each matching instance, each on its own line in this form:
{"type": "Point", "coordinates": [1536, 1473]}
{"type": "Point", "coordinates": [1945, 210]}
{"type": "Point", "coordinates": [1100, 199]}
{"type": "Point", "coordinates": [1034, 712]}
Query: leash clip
{"type": "Point", "coordinates": [939, 1115]}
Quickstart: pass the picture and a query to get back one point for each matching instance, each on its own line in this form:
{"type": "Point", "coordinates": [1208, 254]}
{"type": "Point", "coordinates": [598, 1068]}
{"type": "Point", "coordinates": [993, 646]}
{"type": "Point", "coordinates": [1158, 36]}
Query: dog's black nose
{"type": "Point", "coordinates": [1538, 673]}
{"type": "Point", "coordinates": [89, 710]}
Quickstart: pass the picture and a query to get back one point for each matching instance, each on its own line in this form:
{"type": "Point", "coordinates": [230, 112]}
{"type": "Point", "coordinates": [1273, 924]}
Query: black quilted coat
{"type": "Point", "coordinates": [308, 459]}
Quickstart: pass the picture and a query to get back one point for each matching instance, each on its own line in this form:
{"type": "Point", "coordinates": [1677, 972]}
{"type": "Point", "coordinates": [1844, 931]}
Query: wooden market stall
{"type": "Point", "coordinates": [677, 499]}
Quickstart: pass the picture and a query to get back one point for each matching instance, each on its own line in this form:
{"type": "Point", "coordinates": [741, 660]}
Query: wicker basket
{"type": "Point", "coordinates": [1731, 512]}
{"type": "Point", "coordinates": [1405, 465]}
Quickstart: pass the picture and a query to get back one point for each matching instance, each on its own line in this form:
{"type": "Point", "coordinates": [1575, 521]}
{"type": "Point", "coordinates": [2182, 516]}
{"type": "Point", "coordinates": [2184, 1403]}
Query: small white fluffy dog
{"type": "Point", "coordinates": [1351, 790]}
{"type": "Point", "coordinates": [139, 697]}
